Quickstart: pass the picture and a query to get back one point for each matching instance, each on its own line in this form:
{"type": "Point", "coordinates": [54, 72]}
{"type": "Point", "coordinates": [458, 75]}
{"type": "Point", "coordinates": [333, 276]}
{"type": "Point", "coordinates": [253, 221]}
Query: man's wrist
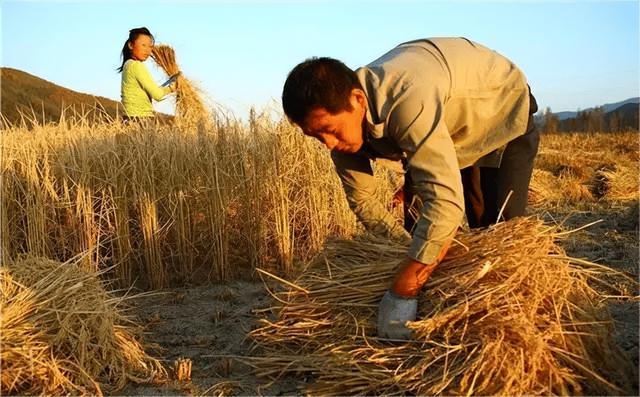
{"type": "Point", "coordinates": [394, 295]}
{"type": "Point", "coordinates": [410, 278]}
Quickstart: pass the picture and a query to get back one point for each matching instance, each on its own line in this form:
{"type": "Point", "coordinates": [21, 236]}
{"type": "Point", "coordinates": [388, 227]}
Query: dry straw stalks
{"type": "Point", "coordinates": [62, 333]}
{"type": "Point", "coordinates": [598, 168]}
{"type": "Point", "coordinates": [160, 208]}
{"type": "Point", "coordinates": [189, 105]}
{"type": "Point", "coordinates": [182, 369]}
{"type": "Point", "coordinates": [506, 313]}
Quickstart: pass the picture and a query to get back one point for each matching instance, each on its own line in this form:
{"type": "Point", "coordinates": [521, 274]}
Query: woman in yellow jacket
{"type": "Point", "coordinates": [137, 87]}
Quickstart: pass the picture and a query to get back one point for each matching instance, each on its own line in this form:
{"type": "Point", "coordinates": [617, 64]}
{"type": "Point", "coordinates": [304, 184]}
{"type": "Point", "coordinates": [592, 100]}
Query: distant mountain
{"type": "Point", "coordinates": [625, 115]}
{"type": "Point", "coordinates": [22, 92]}
{"type": "Point", "coordinates": [565, 115]}
{"type": "Point", "coordinates": [606, 107]}
{"type": "Point", "coordinates": [611, 117]}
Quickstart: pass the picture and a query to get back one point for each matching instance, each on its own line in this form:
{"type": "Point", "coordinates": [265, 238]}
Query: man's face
{"type": "Point", "coordinates": [341, 132]}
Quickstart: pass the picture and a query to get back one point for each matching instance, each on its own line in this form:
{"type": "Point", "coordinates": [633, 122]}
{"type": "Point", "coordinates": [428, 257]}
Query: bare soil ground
{"type": "Point", "coordinates": [209, 324]}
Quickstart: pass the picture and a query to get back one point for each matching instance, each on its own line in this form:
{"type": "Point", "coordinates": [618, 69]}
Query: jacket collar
{"type": "Point", "coordinates": [374, 129]}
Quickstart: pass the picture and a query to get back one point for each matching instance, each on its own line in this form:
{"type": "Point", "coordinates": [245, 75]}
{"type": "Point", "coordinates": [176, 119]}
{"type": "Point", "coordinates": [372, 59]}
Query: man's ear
{"type": "Point", "coordinates": [360, 97]}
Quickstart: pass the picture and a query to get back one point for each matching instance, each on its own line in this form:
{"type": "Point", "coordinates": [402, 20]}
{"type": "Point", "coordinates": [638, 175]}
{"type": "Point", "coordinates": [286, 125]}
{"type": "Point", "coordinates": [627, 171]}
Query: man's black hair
{"type": "Point", "coordinates": [318, 83]}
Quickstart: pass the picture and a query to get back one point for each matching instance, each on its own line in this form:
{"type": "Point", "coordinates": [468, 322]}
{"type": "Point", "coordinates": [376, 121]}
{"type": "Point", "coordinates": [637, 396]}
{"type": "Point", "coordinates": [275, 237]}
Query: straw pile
{"type": "Point", "coordinates": [510, 315]}
{"type": "Point", "coordinates": [618, 182]}
{"type": "Point", "coordinates": [562, 190]}
{"type": "Point", "coordinates": [599, 168]}
{"type": "Point", "coordinates": [189, 104]}
{"type": "Point", "coordinates": [62, 333]}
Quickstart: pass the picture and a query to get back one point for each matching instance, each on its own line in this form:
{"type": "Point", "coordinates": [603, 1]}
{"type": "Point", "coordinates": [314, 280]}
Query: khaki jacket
{"type": "Point", "coordinates": [442, 104]}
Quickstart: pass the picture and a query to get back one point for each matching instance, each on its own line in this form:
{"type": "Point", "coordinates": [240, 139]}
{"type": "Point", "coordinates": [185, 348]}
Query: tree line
{"type": "Point", "coordinates": [624, 118]}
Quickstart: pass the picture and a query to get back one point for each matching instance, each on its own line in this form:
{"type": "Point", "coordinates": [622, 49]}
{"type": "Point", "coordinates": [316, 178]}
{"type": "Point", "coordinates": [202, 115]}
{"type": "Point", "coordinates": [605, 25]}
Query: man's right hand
{"type": "Point", "coordinates": [393, 313]}
{"type": "Point", "coordinates": [400, 303]}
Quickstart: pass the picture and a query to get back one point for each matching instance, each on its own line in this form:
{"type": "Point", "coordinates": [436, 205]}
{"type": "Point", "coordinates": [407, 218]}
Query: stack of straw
{"type": "Point", "coordinates": [562, 190]}
{"type": "Point", "coordinates": [189, 105]}
{"type": "Point", "coordinates": [617, 183]}
{"type": "Point", "coordinates": [509, 315]}
{"type": "Point", "coordinates": [62, 333]}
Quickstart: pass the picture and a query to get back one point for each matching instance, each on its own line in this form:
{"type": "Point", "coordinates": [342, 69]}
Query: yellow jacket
{"type": "Point", "coordinates": [138, 88]}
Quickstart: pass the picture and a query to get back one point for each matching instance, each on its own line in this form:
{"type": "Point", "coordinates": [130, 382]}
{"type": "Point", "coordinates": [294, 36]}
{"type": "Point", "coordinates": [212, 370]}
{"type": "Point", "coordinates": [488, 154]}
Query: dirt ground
{"type": "Point", "coordinates": [209, 324]}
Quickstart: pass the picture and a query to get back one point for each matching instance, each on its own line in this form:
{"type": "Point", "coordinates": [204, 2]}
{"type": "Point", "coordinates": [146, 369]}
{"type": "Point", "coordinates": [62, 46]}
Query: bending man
{"type": "Point", "coordinates": [459, 117]}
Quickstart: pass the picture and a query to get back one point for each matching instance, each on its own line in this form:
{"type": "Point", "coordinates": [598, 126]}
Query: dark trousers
{"type": "Point", "coordinates": [486, 189]}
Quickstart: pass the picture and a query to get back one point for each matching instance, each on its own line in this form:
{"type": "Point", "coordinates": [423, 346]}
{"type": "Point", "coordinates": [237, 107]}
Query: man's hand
{"type": "Point", "coordinates": [411, 276]}
{"type": "Point", "coordinates": [393, 313]}
{"type": "Point", "coordinates": [400, 303]}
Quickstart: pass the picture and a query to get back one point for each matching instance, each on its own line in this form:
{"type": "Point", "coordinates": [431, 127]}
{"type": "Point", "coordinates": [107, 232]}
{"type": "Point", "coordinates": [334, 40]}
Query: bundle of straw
{"type": "Point", "coordinates": [562, 190]}
{"type": "Point", "coordinates": [189, 105]}
{"type": "Point", "coordinates": [509, 315]}
{"type": "Point", "coordinates": [62, 333]}
{"type": "Point", "coordinates": [618, 183]}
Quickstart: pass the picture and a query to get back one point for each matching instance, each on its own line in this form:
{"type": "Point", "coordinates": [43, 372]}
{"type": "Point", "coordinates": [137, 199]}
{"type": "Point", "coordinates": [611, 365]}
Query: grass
{"type": "Point", "coordinates": [157, 205]}
{"type": "Point", "coordinates": [161, 207]}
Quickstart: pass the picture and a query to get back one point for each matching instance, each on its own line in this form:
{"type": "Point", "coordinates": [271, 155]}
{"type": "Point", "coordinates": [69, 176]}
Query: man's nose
{"type": "Point", "coordinates": [329, 142]}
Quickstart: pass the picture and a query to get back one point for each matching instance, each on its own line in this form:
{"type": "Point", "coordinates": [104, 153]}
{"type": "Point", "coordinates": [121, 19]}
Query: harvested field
{"type": "Point", "coordinates": [210, 324]}
{"type": "Point", "coordinates": [598, 168]}
{"type": "Point", "coordinates": [194, 215]}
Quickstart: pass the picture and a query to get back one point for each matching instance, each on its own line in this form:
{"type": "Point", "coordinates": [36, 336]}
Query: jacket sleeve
{"type": "Point", "coordinates": [416, 122]}
{"type": "Point", "coordinates": [359, 184]}
{"type": "Point", "coordinates": [146, 82]}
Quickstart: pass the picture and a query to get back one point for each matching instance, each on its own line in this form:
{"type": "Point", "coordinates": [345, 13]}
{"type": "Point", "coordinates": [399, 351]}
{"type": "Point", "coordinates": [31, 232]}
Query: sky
{"type": "Point", "coordinates": [575, 54]}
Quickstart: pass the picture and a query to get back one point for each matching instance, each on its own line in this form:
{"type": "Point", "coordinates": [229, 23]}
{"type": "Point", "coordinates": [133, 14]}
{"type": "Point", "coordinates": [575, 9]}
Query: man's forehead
{"type": "Point", "coordinates": [316, 118]}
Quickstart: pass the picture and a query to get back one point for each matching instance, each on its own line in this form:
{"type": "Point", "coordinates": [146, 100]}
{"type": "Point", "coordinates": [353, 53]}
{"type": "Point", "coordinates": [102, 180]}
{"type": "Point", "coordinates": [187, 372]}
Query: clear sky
{"type": "Point", "coordinates": [576, 54]}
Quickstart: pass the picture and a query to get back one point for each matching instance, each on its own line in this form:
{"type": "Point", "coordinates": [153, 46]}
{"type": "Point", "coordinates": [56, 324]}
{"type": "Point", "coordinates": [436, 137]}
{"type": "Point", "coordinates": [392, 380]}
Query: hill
{"type": "Point", "coordinates": [627, 115]}
{"type": "Point", "coordinates": [21, 92]}
{"type": "Point", "coordinates": [614, 117]}
{"type": "Point", "coordinates": [623, 118]}
{"type": "Point", "coordinates": [607, 107]}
